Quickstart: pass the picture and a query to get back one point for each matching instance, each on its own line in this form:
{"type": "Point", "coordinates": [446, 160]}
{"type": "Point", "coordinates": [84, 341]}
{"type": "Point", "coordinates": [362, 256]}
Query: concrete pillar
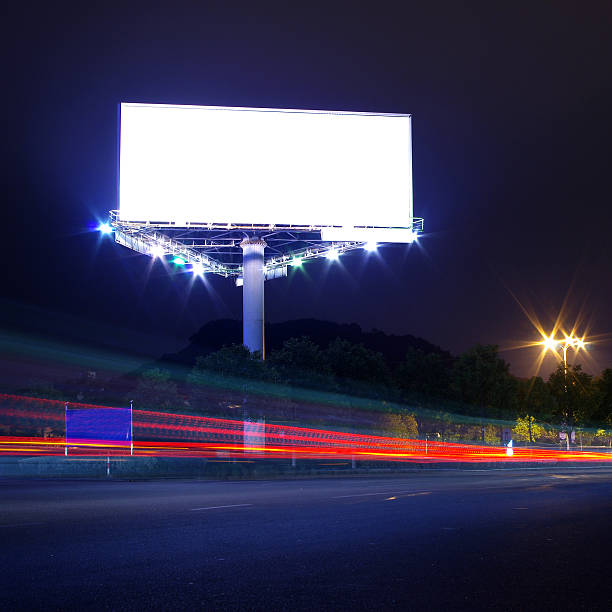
{"type": "Point", "coordinates": [253, 294]}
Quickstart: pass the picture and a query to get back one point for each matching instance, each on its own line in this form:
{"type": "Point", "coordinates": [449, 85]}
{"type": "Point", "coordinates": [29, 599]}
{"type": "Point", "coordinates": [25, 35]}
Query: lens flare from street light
{"type": "Point", "coordinates": [549, 343]}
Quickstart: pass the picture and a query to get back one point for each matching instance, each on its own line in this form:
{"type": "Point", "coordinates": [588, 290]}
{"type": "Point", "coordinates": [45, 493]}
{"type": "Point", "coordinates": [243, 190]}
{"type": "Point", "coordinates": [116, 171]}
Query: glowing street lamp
{"type": "Point", "coordinates": [568, 342]}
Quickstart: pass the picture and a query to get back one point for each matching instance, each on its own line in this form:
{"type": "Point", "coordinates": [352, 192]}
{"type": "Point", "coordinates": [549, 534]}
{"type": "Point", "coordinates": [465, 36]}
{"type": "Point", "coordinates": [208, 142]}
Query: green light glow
{"type": "Point", "coordinates": [179, 261]}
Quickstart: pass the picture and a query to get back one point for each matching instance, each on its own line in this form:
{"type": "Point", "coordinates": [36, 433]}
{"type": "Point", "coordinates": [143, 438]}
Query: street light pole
{"type": "Point", "coordinates": [567, 435]}
{"type": "Point", "coordinates": [576, 344]}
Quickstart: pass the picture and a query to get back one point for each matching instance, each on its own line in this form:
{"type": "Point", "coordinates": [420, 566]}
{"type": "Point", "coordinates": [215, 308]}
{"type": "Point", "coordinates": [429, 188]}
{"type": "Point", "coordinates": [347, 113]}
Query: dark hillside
{"type": "Point", "coordinates": [215, 334]}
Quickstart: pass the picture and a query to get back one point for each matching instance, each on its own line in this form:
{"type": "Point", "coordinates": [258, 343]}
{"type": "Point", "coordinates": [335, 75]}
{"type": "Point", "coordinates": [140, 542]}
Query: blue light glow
{"type": "Point", "coordinates": [105, 228]}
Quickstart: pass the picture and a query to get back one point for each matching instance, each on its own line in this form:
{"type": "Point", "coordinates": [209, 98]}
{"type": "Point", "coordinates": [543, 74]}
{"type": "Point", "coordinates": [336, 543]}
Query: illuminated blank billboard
{"type": "Point", "coordinates": [198, 164]}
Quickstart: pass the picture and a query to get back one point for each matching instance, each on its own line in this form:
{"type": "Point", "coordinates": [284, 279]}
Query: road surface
{"type": "Point", "coordinates": [507, 540]}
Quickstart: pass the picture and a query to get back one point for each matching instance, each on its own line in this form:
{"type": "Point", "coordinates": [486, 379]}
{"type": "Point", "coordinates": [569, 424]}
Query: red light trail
{"type": "Point", "coordinates": [162, 434]}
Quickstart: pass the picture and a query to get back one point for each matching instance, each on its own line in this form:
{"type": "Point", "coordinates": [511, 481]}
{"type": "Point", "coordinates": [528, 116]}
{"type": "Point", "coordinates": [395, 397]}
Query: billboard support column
{"type": "Point", "coordinates": [253, 294]}
{"type": "Point", "coordinates": [65, 429]}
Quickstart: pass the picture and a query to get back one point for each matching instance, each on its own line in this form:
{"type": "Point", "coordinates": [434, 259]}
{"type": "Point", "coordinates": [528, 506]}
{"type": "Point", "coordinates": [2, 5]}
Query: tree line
{"type": "Point", "coordinates": [476, 383]}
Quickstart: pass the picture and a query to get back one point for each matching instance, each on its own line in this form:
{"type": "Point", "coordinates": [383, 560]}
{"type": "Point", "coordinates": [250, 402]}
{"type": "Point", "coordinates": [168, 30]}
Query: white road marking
{"type": "Point", "coordinates": [419, 493]}
{"type": "Point", "coordinates": [228, 506]}
{"type": "Point", "coordinates": [382, 493]}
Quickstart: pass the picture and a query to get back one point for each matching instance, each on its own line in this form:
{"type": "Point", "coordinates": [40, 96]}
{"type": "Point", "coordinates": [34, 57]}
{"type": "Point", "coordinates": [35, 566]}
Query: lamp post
{"type": "Point", "coordinates": [568, 342]}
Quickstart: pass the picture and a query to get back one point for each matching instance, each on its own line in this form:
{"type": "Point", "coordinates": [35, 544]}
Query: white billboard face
{"type": "Point", "coordinates": [189, 164]}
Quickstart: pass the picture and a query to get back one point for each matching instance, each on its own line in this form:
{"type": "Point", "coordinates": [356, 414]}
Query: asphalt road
{"type": "Point", "coordinates": [516, 540]}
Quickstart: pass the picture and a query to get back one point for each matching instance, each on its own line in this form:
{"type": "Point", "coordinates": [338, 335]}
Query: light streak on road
{"type": "Point", "coordinates": [161, 434]}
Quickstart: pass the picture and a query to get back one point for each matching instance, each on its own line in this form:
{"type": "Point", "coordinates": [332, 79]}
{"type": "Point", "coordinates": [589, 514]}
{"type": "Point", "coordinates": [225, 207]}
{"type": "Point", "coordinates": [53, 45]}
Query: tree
{"type": "Point", "coordinates": [234, 360]}
{"type": "Point", "coordinates": [401, 425]}
{"type": "Point", "coordinates": [602, 436]}
{"type": "Point", "coordinates": [355, 361]}
{"type": "Point", "coordinates": [156, 390]}
{"type": "Point", "coordinates": [427, 373]}
{"type": "Point", "coordinates": [527, 430]}
{"type": "Point", "coordinates": [535, 398]}
{"type": "Point", "coordinates": [602, 413]}
{"type": "Point", "coordinates": [574, 394]}
{"type": "Point", "coordinates": [481, 378]}
{"type": "Point", "coordinates": [301, 361]}
{"type": "Point", "coordinates": [491, 434]}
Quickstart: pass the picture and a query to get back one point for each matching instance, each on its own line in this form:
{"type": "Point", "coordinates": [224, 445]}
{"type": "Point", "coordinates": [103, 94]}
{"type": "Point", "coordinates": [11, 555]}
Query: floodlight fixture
{"type": "Point", "coordinates": [105, 228]}
{"type": "Point", "coordinates": [197, 268]}
{"type": "Point", "coordinates": [297, 261]}
{"type": "Point", "coordinates": [371, 246]}
{"type": "Point", "coordinates": [332, 254]}
{"type": "Point", "coordinates": [179, 261]}
{"type": "Point", "coordinates": [156, 250]}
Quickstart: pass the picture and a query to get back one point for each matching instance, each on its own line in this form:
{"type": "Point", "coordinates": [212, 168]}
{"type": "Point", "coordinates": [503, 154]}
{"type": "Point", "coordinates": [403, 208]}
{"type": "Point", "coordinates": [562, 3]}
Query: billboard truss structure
{"type": "Point", "coordinates": [216, 248]}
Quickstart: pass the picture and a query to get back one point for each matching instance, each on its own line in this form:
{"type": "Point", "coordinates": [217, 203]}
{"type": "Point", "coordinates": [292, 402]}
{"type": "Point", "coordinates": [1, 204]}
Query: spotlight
{"type": "Point", "coordinates": [197, 268]}
{"type": "Point", "coordinates": [413, 236]}
{"type": "Point", "coordinates": [105, 228]}
{"type": "Point", "coordinates": [332, 255]}
{"type": "Point", "coordinates": [296, 261]}
{"type": "Point", "coordinates": [370, 246]}
{"type": "Point", "coordinates": [156, 251]}
{"type": "Point", "coordinates": [179, 261]}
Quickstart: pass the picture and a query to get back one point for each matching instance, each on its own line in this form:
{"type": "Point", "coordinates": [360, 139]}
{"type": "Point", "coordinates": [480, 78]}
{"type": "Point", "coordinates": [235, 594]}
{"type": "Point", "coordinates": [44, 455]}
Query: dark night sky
{"type": "Point", "coordinates": [511, 116]}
